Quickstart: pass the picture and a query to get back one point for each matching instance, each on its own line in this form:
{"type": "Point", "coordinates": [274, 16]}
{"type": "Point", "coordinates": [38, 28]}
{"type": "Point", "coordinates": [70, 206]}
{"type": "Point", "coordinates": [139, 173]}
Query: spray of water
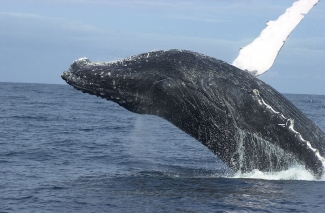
{"type": "Point", "coordinates": [297, 172]}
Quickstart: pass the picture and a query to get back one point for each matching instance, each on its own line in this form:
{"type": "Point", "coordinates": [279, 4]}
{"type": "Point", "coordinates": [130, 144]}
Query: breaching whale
{"type": "Point", "coordinates": [244, 121]}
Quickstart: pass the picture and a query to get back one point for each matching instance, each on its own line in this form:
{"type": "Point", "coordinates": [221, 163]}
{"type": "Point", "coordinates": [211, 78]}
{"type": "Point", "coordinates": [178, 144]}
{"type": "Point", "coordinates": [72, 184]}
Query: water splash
{"type": "Point", "coordinates": [255, 152]}
{"type": "Point", "coordinates": [297, 172]}
{"type": "Point", "coordinates": [252, 149]}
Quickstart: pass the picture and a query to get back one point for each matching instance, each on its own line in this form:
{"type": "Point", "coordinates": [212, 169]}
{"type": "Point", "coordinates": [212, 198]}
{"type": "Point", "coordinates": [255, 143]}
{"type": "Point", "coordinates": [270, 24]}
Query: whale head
{"type": "Point", "coordinates": [143, 83]}
{"type": "Point", "coordinates": [117, 81]}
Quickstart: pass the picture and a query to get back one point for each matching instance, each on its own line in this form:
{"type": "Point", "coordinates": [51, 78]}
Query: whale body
{"type": "Point", "coordinates": [244, 121]}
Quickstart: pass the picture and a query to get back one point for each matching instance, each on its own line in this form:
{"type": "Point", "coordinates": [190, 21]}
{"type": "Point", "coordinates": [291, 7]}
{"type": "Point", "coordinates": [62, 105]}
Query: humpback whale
{"type": "Point", "coordinates": [244, 121]}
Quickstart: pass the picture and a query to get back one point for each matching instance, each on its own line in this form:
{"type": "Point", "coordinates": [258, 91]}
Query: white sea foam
{"type": "Point", "coordinates": [259, 56]}
{"type": "Point", "coordinates": [297, 172]}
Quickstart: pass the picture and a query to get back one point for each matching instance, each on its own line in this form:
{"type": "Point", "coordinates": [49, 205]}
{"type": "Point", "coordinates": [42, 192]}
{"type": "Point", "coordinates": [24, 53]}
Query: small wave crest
{"type": "Point", "coordinates": [297, 172]}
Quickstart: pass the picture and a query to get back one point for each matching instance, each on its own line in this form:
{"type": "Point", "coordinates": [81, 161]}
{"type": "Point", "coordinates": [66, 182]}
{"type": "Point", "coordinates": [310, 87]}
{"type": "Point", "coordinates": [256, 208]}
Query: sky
{"type": "Point", "coordinates": [39, 39]}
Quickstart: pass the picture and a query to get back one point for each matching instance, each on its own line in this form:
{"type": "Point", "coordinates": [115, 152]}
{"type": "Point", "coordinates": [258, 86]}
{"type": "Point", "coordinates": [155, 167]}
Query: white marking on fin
{"type": "Point", "coordinates": [259, 56]}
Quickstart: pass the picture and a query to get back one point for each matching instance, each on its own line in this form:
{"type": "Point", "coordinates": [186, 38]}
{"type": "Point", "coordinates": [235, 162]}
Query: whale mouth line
{"type": "Point", "coordinates": [87, 87]}
{"type": "Point", "coordinates": [90, 88]}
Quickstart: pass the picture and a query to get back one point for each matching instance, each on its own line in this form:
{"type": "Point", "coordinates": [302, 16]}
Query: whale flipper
{"type": "Point", "coordinates": [259, 56]}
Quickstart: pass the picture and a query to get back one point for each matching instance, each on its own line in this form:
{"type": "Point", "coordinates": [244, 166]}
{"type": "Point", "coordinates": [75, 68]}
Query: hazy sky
{"type": "Point", "coordinates": [39, 39]}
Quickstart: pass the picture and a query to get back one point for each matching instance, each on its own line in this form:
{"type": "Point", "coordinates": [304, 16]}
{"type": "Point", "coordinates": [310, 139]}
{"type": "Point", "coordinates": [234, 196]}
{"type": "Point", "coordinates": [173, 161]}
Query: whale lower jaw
{"type": "Point", "coordinates": [78, 83]}
{"type": "Point", "coordinates": [86, 87]}
{"type": "Point", "coordinates": [94, 89]}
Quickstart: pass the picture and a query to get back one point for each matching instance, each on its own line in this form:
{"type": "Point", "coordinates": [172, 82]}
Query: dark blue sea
{"type": "Point", "coordinates": [65, 151]}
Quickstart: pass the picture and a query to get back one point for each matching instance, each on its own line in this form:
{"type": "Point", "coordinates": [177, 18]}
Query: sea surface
{"type": "Point", "coordinates": [65, 151]}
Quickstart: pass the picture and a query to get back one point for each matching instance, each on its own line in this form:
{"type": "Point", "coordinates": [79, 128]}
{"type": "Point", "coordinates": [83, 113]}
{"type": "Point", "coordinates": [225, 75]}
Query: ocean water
{"type": "Point", "coordinates": [65, 151]}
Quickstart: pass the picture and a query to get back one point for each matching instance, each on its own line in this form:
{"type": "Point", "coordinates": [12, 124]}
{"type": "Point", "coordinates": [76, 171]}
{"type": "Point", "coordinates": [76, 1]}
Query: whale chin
{"type": "Point", "coordinates": [245, 122]}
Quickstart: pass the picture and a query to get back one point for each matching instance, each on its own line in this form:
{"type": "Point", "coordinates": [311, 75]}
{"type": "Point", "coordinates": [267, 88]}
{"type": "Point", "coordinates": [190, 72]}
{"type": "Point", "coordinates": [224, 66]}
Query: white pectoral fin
{"type": "Point", "coordinates": [259, 56]}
